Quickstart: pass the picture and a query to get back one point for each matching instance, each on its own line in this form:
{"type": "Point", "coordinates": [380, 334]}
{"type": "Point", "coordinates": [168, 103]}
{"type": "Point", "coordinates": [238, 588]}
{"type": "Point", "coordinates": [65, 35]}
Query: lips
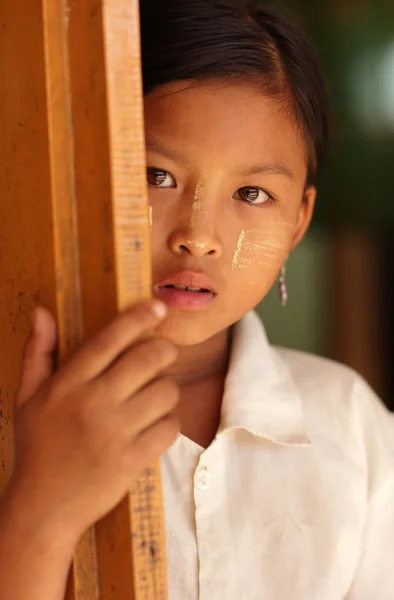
{"type": "Point", "coordinates": [193, 279]}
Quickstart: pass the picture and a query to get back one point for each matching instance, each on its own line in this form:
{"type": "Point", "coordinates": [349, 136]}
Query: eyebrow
{"type": "Point", "coordinates": [272, 168]}
{"type": "Point", "coordinates": [167, 151]}
{"type": "Point", "coordinates": [174, 155]}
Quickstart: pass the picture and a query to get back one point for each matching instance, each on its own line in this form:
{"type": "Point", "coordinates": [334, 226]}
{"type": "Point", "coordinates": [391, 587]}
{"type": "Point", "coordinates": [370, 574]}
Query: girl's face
{"type": "Point", "coordinates": [226, 174]}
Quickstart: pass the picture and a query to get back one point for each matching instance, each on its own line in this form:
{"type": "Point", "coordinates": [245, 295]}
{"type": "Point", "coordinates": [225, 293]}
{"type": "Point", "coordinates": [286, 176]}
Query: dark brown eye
{"type": "Point", "coordinates": [253, 195]}
{"type": "Point", "coordinates": [158, 177]}
{"type": "Point", "coordinates": [249, 194]}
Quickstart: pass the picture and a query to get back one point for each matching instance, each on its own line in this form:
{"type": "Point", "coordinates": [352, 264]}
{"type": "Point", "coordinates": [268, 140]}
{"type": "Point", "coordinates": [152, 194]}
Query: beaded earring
{"type": "Point", "coordinates": [282, 285]}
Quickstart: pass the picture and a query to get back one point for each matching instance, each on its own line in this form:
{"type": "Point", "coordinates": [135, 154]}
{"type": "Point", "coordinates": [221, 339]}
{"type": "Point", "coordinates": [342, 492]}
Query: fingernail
{"type": "Point", "coordinates": [159, 308]}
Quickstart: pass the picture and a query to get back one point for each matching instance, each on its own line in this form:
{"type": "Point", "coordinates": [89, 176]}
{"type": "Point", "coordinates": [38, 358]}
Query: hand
{"type": "Point", "coordinates": [84, 433]}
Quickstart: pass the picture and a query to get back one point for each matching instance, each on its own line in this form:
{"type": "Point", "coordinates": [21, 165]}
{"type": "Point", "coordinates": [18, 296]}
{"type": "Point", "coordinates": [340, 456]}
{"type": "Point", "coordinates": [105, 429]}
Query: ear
{"type": "Point", "coordinates": [305, 216]}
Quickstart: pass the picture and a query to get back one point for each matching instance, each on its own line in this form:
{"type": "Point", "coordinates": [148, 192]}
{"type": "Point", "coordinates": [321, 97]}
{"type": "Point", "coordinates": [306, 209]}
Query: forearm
{"type": "Point", "coordinates": [34, 558]}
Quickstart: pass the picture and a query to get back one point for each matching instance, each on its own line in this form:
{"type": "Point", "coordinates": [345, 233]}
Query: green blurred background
{"type": "Point", "coordinates": [340, 278]}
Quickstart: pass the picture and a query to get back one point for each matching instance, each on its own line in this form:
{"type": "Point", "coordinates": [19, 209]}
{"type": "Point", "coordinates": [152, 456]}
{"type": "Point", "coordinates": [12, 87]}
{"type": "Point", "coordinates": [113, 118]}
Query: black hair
{"type": "Point", "coordinates": [238, 40]}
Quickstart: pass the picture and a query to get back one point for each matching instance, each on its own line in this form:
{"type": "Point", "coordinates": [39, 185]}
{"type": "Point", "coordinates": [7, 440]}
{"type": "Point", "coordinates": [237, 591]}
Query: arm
{"type": "Point", "coordinates": [35, 556]}
{"type": "Point", "coordinates": [63, 481]}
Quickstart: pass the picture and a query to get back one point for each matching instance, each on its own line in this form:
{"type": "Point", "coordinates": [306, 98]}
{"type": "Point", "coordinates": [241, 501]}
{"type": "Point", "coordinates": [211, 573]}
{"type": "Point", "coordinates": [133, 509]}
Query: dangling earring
{"type": "Point", "coordinates": [282, 284]}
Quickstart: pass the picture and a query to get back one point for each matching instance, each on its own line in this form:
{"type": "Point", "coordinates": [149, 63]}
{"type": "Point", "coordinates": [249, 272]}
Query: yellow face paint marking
{"type": "Point", "coordinates": [263, 247]}
{"type": "Point", "coordinates": [198, 210]}
{"type": "Point", "coordinates": [238, 262]}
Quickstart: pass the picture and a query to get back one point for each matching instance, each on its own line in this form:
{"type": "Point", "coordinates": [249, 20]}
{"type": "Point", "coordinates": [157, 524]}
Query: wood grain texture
{"type": "Point", "coordinates": [84, 575]}
{"type": "Point", "coordinates": [27, 250]}
{"type": "Point", "coordinates": [115, 250]}
{"type": "Point", "coordinates": [75, 233]}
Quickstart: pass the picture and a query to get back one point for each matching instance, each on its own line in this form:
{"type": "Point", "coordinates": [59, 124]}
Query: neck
{"type": "Point", "coordinates": [200, 373]}
{"type": "Point", "coordinates": [202, 362]}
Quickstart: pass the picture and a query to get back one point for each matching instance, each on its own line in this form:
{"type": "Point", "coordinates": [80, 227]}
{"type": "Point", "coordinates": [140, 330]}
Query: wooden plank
{"type": "Point", "coordinates": [37, 204]}
{"type": "Point", "coordinates": [115, 261]}
{"type": "Point", "coordinates": [84, 575]}
{"type": "Point", "coordinates": [46, 194]}
{"type": "Point", "coordinates": [27, 254]}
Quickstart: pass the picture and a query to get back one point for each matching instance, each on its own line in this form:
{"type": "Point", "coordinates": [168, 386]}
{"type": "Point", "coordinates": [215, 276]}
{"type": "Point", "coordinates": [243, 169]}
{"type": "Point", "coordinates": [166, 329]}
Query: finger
{"type": "Point", "coordinates": [99, 353]}
{"type": "Point", "coordinates": [155, 440]}
{"type": "Point", "coordinates": [132, 371]}
{"type": "Point", "coordinates": [37, 360]}
{"type": "Point", "coordinates": [152, 404]}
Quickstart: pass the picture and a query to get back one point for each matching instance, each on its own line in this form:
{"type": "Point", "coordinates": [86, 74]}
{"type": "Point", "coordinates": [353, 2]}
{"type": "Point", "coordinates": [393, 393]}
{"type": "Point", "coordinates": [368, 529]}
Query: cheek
{"type": "Point", "coordinates": [261, 252]}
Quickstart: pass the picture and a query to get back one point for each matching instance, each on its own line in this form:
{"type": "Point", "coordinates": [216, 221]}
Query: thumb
{"type": "Point", "coordinates": [38, 360]}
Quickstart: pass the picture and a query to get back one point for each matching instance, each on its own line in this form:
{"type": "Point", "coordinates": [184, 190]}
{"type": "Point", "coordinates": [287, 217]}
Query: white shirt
{"type": "Point", "coordinates": [294, 500]}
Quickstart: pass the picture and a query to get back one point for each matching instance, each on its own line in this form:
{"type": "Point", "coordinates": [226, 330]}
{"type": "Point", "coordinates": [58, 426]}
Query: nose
{"type": "Point", "coordinates": [197, 233]}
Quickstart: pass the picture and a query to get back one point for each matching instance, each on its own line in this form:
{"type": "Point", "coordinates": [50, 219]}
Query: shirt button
{"type": "Point", "coordinates": [203, 481]}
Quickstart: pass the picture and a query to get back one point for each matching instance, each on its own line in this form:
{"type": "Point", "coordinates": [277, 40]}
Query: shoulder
{"type": "Point", "coordinates": [339, 405]}
{"type": "Point", "coordinates": [316, 376]}
{"type": "Point", "coordinates": [324, 383]}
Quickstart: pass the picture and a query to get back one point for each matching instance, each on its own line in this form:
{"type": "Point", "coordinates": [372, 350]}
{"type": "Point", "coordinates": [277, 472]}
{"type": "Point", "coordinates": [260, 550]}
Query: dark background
{"type": "Point", "coordinates": [340, 280]}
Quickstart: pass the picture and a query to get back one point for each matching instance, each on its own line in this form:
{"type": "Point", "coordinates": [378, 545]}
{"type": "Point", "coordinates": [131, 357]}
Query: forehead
{"type": "Point", "coordinates": [225, 124]}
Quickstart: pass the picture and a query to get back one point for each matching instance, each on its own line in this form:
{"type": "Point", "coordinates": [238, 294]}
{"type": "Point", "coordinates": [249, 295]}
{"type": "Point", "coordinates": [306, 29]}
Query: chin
{"type": "Point", "coordinates": [185, 333]}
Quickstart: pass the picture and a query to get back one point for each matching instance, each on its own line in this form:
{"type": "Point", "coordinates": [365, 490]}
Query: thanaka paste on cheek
{"type": "Point", "coordinates": [238, 261]}
{"type": "Point", "coordinates": [150, 218]}
{"type": "Point", "coordinates": [263, 247]}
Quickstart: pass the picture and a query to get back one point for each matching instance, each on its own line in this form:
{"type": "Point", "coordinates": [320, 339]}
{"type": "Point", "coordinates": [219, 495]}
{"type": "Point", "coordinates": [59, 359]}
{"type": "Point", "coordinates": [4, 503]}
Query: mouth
{"type": "Point", "coordinates": [189, 289]}
{"type": "Point", "coordinates": [183, 297]}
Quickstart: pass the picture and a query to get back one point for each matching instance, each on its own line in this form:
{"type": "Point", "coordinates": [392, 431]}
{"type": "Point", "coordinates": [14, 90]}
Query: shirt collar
{"type": "Point", "coordinates": [260, 394]}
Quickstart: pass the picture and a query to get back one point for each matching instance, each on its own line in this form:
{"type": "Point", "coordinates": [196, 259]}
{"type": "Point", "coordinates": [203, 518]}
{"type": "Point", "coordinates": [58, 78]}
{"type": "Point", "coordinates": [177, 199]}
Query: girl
{"type": "Point", "coordinates": [277, 466]}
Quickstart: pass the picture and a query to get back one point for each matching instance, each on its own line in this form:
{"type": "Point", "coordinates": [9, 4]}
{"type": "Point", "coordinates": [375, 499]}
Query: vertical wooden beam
{"type": "Point", "coordinates": [27, 248]}
{"type": "Point", "coordinates": [84, 576]}
{"type": "Point", "coordinates": [115, 260]}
